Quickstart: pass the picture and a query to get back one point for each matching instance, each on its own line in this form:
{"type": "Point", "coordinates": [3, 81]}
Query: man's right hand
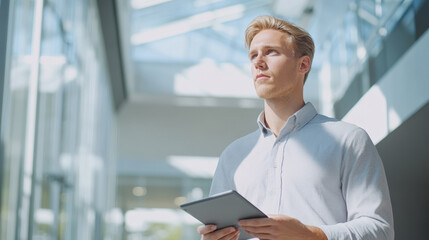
{"type": "Point", "coordinates": [208, 232]}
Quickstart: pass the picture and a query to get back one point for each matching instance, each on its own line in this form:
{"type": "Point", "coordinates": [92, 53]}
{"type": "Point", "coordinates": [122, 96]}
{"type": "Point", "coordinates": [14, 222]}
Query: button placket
{"type": "Point", "coordinates": [279, 170]}
{"type": "Point", "coordinates": [272, 177]}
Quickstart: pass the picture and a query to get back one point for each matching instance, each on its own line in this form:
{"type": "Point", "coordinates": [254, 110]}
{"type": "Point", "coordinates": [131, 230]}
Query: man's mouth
{"type": "Point", "coordinates": [261, 76]}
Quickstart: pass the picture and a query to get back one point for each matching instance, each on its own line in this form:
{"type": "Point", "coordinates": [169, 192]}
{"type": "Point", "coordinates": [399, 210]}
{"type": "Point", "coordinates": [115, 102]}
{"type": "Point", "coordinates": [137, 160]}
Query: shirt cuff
{"type": "Point", "coordinates": [336, 231]}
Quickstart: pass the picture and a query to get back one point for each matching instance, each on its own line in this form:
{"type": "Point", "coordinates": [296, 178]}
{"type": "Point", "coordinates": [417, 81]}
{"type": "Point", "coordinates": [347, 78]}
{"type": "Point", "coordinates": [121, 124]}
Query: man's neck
{"type": "Point", "coordinates": [278, 111]}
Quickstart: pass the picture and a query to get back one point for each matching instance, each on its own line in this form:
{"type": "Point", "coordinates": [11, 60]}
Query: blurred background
{"type": "Point", "coordinates": [114, 112]}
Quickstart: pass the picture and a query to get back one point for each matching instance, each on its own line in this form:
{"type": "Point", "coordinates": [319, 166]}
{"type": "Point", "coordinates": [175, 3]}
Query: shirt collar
{"type": "Point", "coordinates": [261, 123]}
{"type": "Point", "coordinates": [296, 121]}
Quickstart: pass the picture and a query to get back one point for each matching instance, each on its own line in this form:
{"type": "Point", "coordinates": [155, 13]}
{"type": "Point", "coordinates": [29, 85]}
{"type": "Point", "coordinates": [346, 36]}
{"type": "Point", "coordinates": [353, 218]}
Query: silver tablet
{"type": "Point", "coordinates": [224, 210]}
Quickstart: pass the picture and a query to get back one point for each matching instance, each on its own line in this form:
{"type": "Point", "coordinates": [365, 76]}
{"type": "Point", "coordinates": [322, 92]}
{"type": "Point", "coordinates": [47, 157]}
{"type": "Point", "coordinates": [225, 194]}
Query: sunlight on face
{"type": "Point", "coordinates": [275, 70]}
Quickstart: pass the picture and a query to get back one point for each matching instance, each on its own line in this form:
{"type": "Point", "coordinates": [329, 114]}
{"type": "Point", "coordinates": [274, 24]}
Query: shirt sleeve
{"type": "Point", "coordinates": [365, 191]}
{"type": "Point", "coordinates": [222, 181]}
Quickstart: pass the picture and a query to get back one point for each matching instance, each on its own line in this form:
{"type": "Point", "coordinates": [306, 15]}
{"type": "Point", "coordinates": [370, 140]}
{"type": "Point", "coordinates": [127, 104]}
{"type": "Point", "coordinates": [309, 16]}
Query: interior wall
{"type": "Point", "coordinates": [154, 132]}
{"type": "Point", "coordinates": [395, 97]}
{"type": "Point", "coordinates": [405, 153]}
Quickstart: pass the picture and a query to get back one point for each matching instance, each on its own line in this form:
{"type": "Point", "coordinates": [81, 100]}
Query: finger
{"type": "Point", "coordinates": [224, 234]}
{"type": "Point", "coordinates": [277, 216]}
{"type": "Point", "coordinates": [256, 222]}
{"type": "Point", "coordinates": [258, 229]}
{"type": "Point", "coordinates": [262, 233]}
{"type": "Point", "coordinates": [238, 235]}
{"type": "Point", "coordinates": [204, 229]}
{"type": "Point", "coordinates": [231, 236]}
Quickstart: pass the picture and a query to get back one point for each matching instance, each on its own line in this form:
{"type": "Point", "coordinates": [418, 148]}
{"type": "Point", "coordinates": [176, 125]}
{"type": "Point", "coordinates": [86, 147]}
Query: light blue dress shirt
{"type": "Point", "coordinates": [322, 171]}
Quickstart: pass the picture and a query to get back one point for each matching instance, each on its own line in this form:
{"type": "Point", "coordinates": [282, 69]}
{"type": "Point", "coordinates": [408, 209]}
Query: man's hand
{"type": "Point", "coordinates": [208, 232]}
{"type": "Point", "coordinates": [280, 227]}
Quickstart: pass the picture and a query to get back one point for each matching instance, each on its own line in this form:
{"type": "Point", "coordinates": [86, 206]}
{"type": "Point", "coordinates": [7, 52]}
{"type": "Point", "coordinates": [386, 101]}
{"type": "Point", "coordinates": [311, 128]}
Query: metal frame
{"type": "Point", "coordinates": [4, 21]}
{"type": "Point", "coordinates": [112, 44]}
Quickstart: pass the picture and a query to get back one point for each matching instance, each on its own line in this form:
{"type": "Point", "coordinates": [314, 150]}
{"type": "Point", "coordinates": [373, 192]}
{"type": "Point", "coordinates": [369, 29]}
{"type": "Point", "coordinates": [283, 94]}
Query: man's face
{"type": "Point", "coordinates": [275, 69]}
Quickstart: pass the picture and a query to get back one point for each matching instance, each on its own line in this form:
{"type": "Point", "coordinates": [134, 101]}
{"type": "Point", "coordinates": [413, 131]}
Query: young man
{"type": "Point", "coordinates": [320, 178]}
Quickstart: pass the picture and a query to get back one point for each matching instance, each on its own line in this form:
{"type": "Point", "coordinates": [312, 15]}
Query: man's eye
{"type": "Point", "coordinates": [253, 56]}
{"type": "Point", "coordinates": [272, 51]}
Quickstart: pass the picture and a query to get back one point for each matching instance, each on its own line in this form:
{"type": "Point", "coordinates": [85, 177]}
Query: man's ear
{"type": "Point", "coordinates": [304, 64]}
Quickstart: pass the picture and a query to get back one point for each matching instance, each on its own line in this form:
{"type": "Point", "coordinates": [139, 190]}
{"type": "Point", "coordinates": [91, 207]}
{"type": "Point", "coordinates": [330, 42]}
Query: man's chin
{"type": "Point", "coordinates": [264, 92]}
{"type": "Point", "coordinates": [264, 95]}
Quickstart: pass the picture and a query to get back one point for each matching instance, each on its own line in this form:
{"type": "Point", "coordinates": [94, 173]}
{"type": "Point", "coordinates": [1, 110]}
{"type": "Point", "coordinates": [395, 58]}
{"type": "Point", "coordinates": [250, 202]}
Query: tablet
{"type": "Point", "coordinates": [223, 210]}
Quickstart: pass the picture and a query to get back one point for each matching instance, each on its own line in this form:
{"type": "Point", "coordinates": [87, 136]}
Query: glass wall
{"type": "Point", "coordinates": [373, 35]}
{"type": "Point", "coordinates": [58, 125]}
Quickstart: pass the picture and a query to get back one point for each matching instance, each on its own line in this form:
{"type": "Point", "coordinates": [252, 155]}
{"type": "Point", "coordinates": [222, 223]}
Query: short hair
{"type": "Point", "coordinates": [303, 43]}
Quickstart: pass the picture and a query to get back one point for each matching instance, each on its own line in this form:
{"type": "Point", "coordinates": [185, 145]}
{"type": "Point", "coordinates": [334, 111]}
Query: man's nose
{"type": "Point", "coordinates": [259, 62]}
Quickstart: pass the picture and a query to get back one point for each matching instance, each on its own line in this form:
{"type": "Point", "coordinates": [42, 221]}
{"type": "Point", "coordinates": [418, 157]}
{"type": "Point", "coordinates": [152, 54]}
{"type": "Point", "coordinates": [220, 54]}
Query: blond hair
{"type": "Point", "coordinates": [303, 43]}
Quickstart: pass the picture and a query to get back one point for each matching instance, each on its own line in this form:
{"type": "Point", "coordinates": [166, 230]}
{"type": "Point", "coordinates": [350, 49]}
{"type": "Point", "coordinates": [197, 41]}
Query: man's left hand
{"type": "Point", "coordinates": [280, 227]}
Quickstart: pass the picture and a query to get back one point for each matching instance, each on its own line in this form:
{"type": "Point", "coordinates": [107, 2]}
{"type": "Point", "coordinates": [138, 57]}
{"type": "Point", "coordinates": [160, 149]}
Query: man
{"type": "Point", "coordinates": [320, 178]}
